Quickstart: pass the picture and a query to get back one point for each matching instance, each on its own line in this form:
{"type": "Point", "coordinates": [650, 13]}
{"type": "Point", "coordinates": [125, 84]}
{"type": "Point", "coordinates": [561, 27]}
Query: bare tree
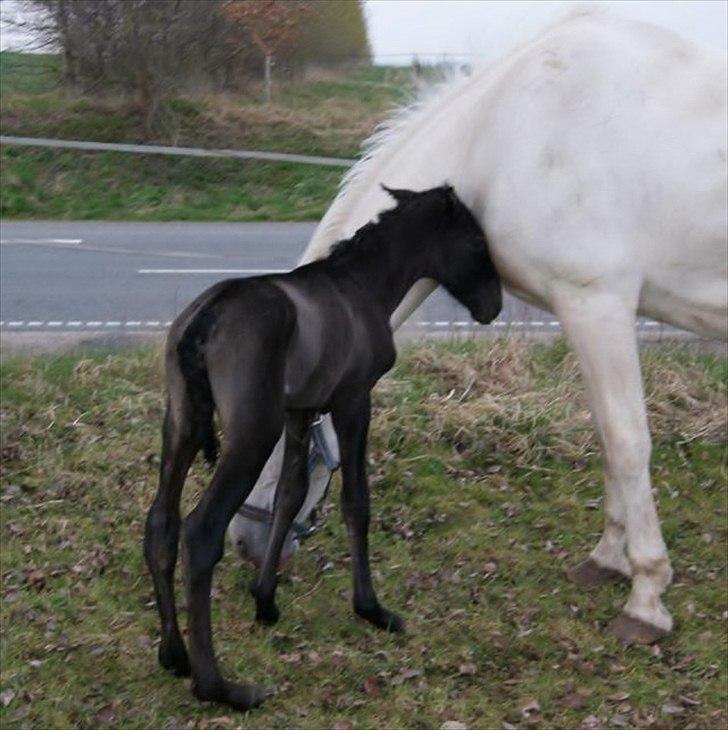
{"type": "Point", "coordinates": [149, 48]}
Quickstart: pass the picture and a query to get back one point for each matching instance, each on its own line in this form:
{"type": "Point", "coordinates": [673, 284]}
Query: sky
{"type": "Point", "coordinates": [484, 30]}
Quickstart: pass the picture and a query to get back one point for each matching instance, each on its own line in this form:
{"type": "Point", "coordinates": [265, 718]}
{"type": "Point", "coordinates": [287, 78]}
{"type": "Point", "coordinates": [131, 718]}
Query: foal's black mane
{"type": "Point", "coordinates": [369, 237]}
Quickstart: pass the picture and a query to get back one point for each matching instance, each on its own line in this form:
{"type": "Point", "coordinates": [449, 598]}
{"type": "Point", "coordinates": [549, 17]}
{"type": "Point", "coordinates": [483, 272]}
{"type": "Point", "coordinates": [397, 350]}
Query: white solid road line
{"type": "Point", "coordinates": [213, 271]}
{"type": "Point", "coordinates": [42, 241]}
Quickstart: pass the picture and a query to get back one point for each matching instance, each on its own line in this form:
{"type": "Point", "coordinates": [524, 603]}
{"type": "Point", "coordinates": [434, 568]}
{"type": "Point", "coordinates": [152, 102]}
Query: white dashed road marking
{"type": "Point", "coordinates": [212, 271]}
{"type": "Point", "coordinates": [157, 324]}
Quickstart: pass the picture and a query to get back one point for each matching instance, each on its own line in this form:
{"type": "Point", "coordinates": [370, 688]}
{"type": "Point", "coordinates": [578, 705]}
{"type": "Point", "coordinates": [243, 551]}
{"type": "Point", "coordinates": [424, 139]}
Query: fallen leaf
{"type": "Point", "coordinates": [293, 658]}
{"type": "Point", "coordinates": [341, 725]}
{"type": "Point", "coordinates": [670, 709]}
{"type": "Point", "coordinates": [371, 687]}
{"type": "Point", "coordinates": [467, 668]}
{"type": "Point", "coordinates": [684, 663]}
{"type": "Point", "coordinates": [405, 674]}
{"type": "Point", "coordinates": [106, 717]}
{"type": "Point", "coordinates": [689, 701]}
{"type": "Point", "coordinates": [7, 696]}
{"type": "Point", "coordinates": [532, 707]}
{"type": "Point", "coordinates": [618, 697]}
{"type": "Point", "coordinates": [219, 722]}
{"type": "Point", "coordinates": [36, 579]}
{"type": "Point", "coordinates": [453, 725]}
{"type": "Point", "coordinates": [619, 721]}
{"type": "Point", "coordinates": [573, 700]}
{"type": "Point", "coordinates": [591, 722]}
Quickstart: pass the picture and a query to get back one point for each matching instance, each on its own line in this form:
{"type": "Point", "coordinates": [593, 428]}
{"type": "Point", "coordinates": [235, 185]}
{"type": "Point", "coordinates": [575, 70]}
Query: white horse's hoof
{"type": "Point", "coordinates": [589, 574]}
{"type": "Point", "coordinates": [629, 630]}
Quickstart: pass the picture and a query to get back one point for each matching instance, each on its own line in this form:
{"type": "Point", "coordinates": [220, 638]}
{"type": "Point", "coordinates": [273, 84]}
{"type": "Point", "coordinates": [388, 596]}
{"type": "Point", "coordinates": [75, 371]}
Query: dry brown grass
{"type": "Point", "coordinates": [502, 400]}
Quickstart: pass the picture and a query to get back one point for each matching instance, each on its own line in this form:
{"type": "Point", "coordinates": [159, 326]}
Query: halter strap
{"type": "Point", "coordinates": [319, 449]}
{"type": "Point", "coordinates": [258, 514]}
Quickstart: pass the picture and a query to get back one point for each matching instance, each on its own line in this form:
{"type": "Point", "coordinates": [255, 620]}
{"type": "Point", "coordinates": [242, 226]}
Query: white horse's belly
{"type": "Point", "coordinates": [697, 302]}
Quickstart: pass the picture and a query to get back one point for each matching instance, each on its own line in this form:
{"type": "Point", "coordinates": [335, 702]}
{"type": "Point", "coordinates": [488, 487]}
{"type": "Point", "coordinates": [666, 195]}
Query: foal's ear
{"type": "Point", "coordinates": [450, 195]}
{"type": "Point", "coordinates": [401, 196]}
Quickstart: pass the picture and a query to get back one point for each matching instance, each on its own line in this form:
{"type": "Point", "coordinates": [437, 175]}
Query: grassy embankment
{"type": "Point", "coordinates": [328, 115]}
{"type": "Point", "coordinates": [486, 487]}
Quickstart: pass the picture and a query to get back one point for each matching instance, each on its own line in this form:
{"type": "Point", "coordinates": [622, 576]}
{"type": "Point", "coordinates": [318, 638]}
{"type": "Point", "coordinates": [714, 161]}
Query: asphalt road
{"type": "Point", "coordinates": [60, 276]}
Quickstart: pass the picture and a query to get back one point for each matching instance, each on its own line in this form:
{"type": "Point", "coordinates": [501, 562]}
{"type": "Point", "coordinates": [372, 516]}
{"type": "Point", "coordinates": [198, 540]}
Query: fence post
{"type": "Point", "coordinates": [268, 67]}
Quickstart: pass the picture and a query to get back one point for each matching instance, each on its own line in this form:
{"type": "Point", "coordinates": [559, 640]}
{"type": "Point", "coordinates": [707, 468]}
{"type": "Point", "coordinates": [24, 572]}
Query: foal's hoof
{"type": "Point", "coordinates": [589, 574]}
{"type": "Point", "coordinates": [267, 614]}
{"type": "Point", "coordinates": [174, 658]}
{"type": "Point", "coordinates": [382, 619]}
{"type": "Point", "coordinates": [242, 697]}
{"type": "Point", "coordinates": [266, 611]}
{"type": "Point", "coordinates": [629, 630]}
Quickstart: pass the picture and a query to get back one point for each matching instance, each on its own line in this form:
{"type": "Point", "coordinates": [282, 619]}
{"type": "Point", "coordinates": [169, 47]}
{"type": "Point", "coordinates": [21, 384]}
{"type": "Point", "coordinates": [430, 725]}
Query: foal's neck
{"type": "Point", "coordinates": [383, 269]}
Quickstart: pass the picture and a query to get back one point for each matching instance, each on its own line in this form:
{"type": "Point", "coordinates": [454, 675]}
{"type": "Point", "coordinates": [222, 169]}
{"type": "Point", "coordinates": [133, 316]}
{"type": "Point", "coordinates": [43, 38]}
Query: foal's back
{"type": "Point", "coordinates": [303, 322]}
{"type": "Point", "coordinates": [338, 339]}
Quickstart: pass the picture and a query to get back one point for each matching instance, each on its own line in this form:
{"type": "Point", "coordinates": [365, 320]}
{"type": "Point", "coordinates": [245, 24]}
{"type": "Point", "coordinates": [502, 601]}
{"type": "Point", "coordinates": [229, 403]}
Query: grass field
{"type": "Point", "coordinates": [328, 114]}
{"type": "Point", "coordinates": [29, 73]}
{"type": "Point", "coordinates": [486, 487]}
{"type": "Point", "coordinates": [50, 184]}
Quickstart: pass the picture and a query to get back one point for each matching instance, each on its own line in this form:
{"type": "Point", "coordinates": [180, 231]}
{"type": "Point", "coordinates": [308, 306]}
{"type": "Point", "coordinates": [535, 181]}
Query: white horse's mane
{"type": "Point", "coordinates": [389, 134]}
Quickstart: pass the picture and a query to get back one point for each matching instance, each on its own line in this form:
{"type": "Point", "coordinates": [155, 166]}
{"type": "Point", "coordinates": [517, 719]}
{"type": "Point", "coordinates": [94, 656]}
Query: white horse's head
{"type": "Point", "coordinates": [250, 528]}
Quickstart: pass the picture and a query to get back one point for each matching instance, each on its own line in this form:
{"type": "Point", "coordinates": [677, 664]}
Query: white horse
{"type": "Point", "coordinates": [595, 159]}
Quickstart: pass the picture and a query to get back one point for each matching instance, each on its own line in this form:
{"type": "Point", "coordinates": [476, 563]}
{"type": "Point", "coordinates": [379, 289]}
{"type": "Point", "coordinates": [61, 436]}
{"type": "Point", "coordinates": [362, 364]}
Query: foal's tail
{"type": "Point", "coordinates": [193, 369]}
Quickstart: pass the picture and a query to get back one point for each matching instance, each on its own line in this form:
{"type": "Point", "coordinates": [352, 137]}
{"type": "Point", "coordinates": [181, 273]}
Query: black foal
{"type": "Point", "coordinates": [268, 353]}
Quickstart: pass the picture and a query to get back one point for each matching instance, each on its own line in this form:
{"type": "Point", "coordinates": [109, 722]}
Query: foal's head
{"type": "Point", "coordinates": [453, 248]}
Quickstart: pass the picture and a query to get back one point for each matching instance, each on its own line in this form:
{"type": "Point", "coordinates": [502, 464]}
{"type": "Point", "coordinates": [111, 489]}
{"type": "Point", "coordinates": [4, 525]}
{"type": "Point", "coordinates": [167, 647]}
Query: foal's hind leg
{"type": "Point", "coordinates": [351, 420]}
{"type": "Point", "coordinates": [290, 496]}
{"type": "Point", "coordinates": [250, 435]}
{"type": "Point", "coordinates": [601, 330]}
{"type": "Point", "coordinates": [162, 532]}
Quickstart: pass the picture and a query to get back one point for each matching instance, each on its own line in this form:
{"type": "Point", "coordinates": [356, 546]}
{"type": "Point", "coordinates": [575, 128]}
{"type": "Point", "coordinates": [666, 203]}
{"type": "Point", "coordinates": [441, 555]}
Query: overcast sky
{"type": "Point", "coordinates": [486, 29]}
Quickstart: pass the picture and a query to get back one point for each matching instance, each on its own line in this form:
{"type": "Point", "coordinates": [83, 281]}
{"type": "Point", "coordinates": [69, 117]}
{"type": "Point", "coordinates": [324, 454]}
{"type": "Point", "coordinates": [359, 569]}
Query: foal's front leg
{"type": "Point", "coordinates": [290, 496]}
{"type": "Point", "coordinates": [351, 421]}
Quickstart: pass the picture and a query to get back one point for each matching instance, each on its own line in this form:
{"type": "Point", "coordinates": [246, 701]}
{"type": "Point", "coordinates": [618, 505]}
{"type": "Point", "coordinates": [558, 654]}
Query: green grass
{"type": "Point", "coordinates": [93, 185]}
{"type": "Point", "coordinates": [328, 114]}
{"type": "Point", "coordinates": [29, 73]}
{"type": "Point", "coordinates": [475, 519]}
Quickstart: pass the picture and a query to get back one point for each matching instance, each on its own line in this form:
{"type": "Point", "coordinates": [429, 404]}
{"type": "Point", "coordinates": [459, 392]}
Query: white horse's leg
{"type": "Point", "coordinates": [601, 330]}
{"type": "Point", "coordinates": [608, 560]}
